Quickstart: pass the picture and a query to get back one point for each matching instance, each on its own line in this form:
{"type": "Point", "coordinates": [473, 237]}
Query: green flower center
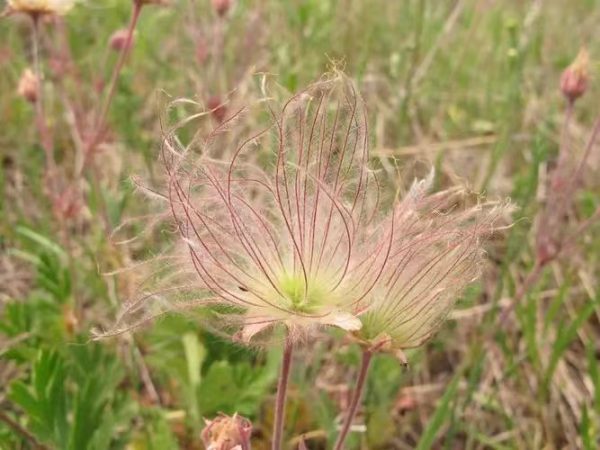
{"type": "Point", "coordinates": [302, 297]}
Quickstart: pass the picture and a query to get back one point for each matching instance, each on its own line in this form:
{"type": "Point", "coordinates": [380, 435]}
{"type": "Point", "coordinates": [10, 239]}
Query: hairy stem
{"type": "Point", "coordinates": [282, 386]}
{"type": "Point", "coordinates": [356, 396]}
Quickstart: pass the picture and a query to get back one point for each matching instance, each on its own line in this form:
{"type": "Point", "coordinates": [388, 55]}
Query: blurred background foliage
{"type": "Point", "coordinates": [470, 86]}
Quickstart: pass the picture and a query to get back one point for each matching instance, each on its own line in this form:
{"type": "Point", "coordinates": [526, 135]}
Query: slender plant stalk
{"type": "Point", "coordinates": [566, 200]}
{"type": "Point", "coordinates": [16, 426]}
{"type": "Point", "coordinates": [530, 280]}
{"type": "Point", "coordinates": [588, 150]}
{"type": "Point", "coordinates": [101, 120]}
{"type": "Point", "coordinates": [564, 134]}
{"type": "Point", "coordinates": [356, 396]}
{"type": "Point", "coordinates": [282, 386]}
{"type": "Point", "coordinates": [40, 116]}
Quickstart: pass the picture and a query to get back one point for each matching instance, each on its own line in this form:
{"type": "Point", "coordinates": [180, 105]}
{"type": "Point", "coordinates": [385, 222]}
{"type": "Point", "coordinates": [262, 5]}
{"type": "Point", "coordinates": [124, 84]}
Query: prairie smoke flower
{"type": "Point", "coordinates": [437, 251]}
{"type": "Point", "coordinates": [301, 244]}
{"type": "Point", "coordinates": [38, 7]}
{"type": "Point", "coordinates": [305, 243]}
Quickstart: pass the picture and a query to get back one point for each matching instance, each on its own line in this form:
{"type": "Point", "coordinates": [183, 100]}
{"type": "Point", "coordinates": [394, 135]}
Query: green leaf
{"type": "Point", "coordinates": [440, 416]}
{"type": "Point", "coordinates": [566, 336]}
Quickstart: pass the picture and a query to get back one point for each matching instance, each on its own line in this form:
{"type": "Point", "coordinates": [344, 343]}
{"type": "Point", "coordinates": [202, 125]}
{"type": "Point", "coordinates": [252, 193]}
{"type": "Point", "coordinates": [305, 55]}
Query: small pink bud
{"type": "Point", "coordinates": [227, 433]}
{"type": "Point", "coordinates": [221, 7]}
{"type": "Point", "coordinates": [574, 79]}
{"type": "Point", "coordinates": [118, 40]}
{"type": "Point", "coordinates": [29, 86]}
{"type": "Point", "coordinates": [217, 108]}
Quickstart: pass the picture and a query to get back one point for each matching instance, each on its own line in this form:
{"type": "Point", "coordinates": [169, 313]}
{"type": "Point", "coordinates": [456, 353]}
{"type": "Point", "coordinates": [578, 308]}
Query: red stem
{"type": "Point", "coordinates": [40, 116]}
{"type": "Point", "coordinates": [356, 396]}
{"type": "Point", "coordinates": [282, 386]}
{"type": "Point", "coordinates": [101, 121]}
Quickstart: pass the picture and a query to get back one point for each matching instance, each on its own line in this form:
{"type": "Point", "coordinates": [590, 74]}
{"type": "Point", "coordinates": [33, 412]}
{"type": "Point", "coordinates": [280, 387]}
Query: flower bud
{"type": "Point", "coordinates": [29, 86]}
{"type": "Point", "coordinates": [217, 108]}
{"type": "Point", "coordinates": [227, 433]}
{"type": "Point", "coordinates": [118, 40]}
{"type": "Point", "coordinates": [221, 7]}
{"type": "Point", "coordinates": [574, 80]}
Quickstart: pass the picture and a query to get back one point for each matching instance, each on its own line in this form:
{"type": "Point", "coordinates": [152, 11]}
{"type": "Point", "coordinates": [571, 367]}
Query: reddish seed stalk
{"type": "Point", "coordinates": [101, 120]}
{"type": "Point", "coordinates": [559, 209]}
{"type": "Point", "coordinates": [40, 116]}
{"type": "Point", "coordinates": [356, 396]}
{"type": "Point", "coordinates": [282, 386]}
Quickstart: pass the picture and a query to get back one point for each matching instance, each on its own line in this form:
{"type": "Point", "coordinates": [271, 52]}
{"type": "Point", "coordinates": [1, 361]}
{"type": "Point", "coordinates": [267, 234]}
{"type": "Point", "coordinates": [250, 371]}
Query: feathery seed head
{"type": "Point", "coordinates": [287, 231]}
{"type": "Point", "coordinates": [436, 253]}
{"type": "Point", "coordinates": [293, 240]}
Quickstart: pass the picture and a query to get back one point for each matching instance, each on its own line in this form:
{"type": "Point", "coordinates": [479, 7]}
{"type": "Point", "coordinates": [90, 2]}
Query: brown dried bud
{"type": "Point", "coordinates": [574, 79]}
{"type": "Point", "coordinates": [217, 108]}
{"type": "Point", "coordinates": [221, 7]}
{"type": "Point", "coordinates": [29, 86]}
{"type": "Point", "coordinates": [227, 433]}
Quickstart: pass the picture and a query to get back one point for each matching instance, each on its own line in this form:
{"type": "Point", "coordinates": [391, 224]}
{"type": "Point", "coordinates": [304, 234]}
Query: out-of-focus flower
{"type": "Point", "coordinates": [118, 40]}
{"type": "Point", "coordinates": [221, 7]}
{"type": "Point", "coordinates": [227, 433]}
{"type": "Point", "coordinates": [38, 7]}
{"type": "Point", "coordinates": [437, 251]}
{"type": "Point", "coordinates": [217, 108]}
{"type": "Point", "coordinates": [575, 78]}
{"type": "Point", "coordinates": [29, 86]}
